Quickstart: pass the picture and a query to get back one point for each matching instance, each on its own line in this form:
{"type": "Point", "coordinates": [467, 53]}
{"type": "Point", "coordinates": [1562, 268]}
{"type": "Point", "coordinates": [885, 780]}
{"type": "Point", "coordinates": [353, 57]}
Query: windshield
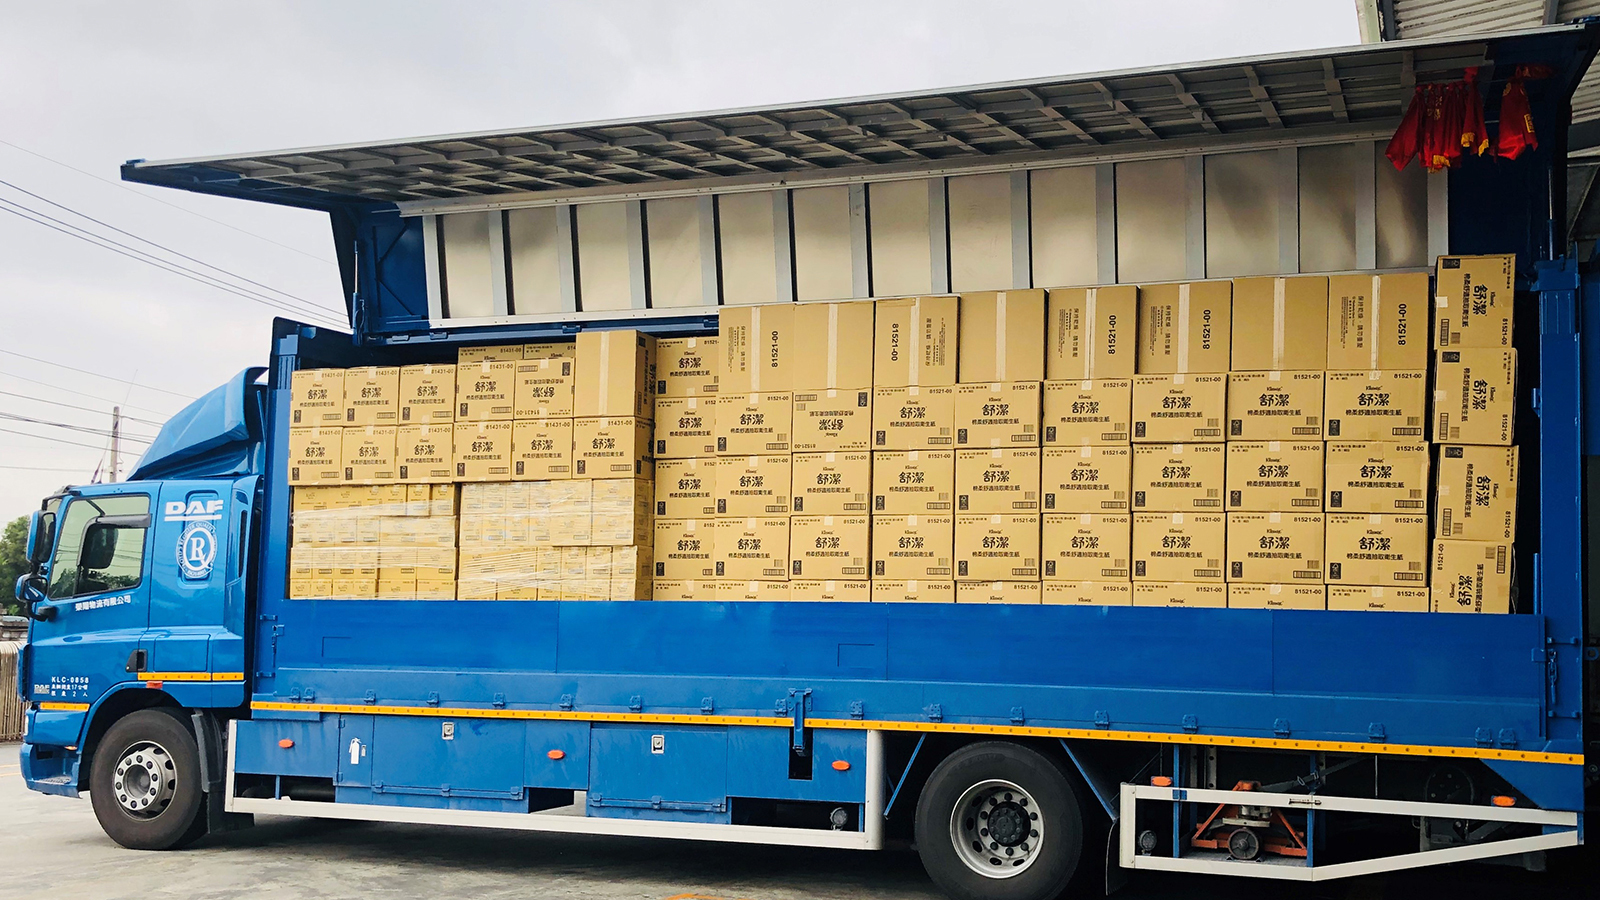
{"type": "Point", "coordinates": [123, 567]}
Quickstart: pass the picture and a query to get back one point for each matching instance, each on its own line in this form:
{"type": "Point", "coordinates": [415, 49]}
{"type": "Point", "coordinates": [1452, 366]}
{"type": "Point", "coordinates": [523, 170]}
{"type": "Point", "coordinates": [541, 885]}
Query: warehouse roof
{"type": "Point", "coordinates": [1090, 114]}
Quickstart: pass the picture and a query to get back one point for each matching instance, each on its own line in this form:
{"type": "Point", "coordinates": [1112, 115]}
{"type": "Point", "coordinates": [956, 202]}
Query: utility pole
{"type": "Point", "coordinates": [116, 434]}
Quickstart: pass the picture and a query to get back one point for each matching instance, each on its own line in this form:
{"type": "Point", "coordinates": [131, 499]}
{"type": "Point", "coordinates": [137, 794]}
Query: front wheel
{"type": "Point", "coordinates": [998, 821]}
{"type": "Point", "coordinates": [144, 783]}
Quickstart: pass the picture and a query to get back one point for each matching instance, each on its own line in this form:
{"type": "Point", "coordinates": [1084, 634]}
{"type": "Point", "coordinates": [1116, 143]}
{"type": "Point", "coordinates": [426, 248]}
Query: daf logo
{"type": "Point", "coordinates": [179, 511]}
{"type": "Point", "coordinates": [197, 550]}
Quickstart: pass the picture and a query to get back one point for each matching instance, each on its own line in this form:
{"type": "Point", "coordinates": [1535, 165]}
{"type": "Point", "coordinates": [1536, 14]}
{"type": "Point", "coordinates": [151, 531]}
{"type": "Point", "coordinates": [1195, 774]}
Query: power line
{"type": "Point", "coordinates": [102, 432]}
{"type": "Point", "coordinates": [183, 209]}
{"type": "Point", "coordinates": [41, 468]}
{"type": "Point", "coordinates": [91, 409]}
{"type": "Point", "coordinates": [56, 387]}
{"type": "Point", "coordinates": [33, 215]}
{"type": "Point", "coordinates": [51, 440]}
{"type": "Point", "coordinates": [95, 374]}
{"type": "Point", "coordinates": [227, 272]}
{"type": "Point", "coordinates": [139, 256]}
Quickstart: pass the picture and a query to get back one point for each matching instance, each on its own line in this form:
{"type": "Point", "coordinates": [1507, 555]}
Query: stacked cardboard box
{"type": "Point", "coordinates": [1474, 406]}
{"type": "Point", "coordinates": [379, 542]}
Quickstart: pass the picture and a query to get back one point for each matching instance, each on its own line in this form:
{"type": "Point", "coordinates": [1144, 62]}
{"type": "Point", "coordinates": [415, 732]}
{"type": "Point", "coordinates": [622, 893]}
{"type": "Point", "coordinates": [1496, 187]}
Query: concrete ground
{"type": "Point", "coordinates": [52, 847]}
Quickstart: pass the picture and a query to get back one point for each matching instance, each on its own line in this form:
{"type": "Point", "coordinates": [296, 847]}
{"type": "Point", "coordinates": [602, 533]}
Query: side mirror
{"type": "Point", "coordinates": [41, 537]}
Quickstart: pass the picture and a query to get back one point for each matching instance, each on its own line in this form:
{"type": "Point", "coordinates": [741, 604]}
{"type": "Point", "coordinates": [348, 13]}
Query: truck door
{"type": "Point", "coordinates": [197, 605]}
{"type": "Point", "coordinates": [96, 607]}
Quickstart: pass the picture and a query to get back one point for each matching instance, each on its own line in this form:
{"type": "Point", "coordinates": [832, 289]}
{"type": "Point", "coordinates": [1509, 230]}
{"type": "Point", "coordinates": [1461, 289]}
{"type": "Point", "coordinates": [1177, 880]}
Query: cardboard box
{"type": "Point", "coordinates": [753, 423]}
{"type": "Point", "coordinates": [549, 350]}
{"type": "Point", "coordinates": [999, 547]}
{"type": "Point", "coordinates": [372, 395]}
{"type": "Point", "coordinates": [753, 549]}
{"type": "Point", "coordinates": [541, 449]}
{"type": "Point", "coordinates": [833, 346]}
{"type": "Point", "coordinates": [913, 482]}
{"type": "Point", "coordinates": [753, 485]}
{"type": "Point", "coordinates": [1274, 406]}
{"type": "Point", "coordinates": [1376, 476]}
{"type": "Point", "coordinates": [1376, 406]}
{"type": "Point", "coordinates": [998, 414]}
{"type": "Point", "coordinates": [1002, 336]}
{"type": "Point", "coordinates": [685, 427]}
{"type": "Point", "coordinates": [1277, 596]}
{"type": "Point", "coordinates": [1086, 479]}
{"type": "Point", "coordinates": [834, 547]}
{"type": "Point", "coordinates": [1005, 480]}
{"type": "Point", "coordinates": [686, 488]}
{"type": "Point", "coordinates": [915, 546]}
{"type": "Point", "coordinates": [834, 484]}
{"type": "Point", "coordinates": [731, 590]}
{"type": "Point", "coordinates": [622, 510]}
{"type": "Point", "coordinates": [1377, 321]}
{"type": "Point", "coordinates": [1275, 476]}
{"type": "Point", "coordinates": [315, 454]}
{"type": "Point", "coordinates": [913, 590]}
{"type": "Point", "coordinates": [443, 499]}
{"type": "Point", "coordinates": [1026, 592]}
{"type": "Point", "coordinates": [756, 347]}
{"type": "Point", "coordinates": [1377, 549]}
{"type": "Point", "coordinates": [424, 455]}
{"type": "Point", "coordinates": [1086, 593]}
{"type": "Point", "coordinates": [611, 447]}
{"type": "Point", "coordinates": [310, 588]}
{"type": "Point", "coordinates": [1179, 546]}
{"type": "Point", "coordinates": [829, 591]}
{"type": "Point", "coordinates": [1471, 577]}
{"type": "Point", "coordinates": [436, 590]}
{"type": "Point", "coordinates": [1476, 499]}
{"type": "Point", "coordinates": [915, 341]}
{"type": "Point", "coordinates": [1178, 477]}
{"type": "Point", "coordinates": [568, 508]}
{"type": "Point", "coordinates": [1280, 323]}
{"type": "Point", "coordinates": [1475, 396]}
{"type": "Point", "coordinates": [491, 353]}
{"type": "Point", "coordinates": [427, 395]}
{"type": "Point", "coordinates": [1275, 547]}
{"type": "Point", "coordinates": [615, 374]}
{"type": "Point", "coordinates": [316, 397]}
{"type": "Point", "coordinates": [684, 548]}
{"type": "Point", "coordinates": [483, 451]}
{"type": "Point", "coordinates": [354, 589]}
{"type": "Point", "coordinates": [1085, 413]}
{"type": "Point", "coordinates": [486, 391]}
{"type": "Point", "coordinates": [367, 454]}
{"type": "Point", "coordinates": [1090, 333]}
{"type": "Point", "coordinates": [544, 389]}
{"type": "Point", "coordinates": [1168, 409]}
{"type": "Point", "coordinates": [687, 367]}
{"type": "Point", "coordinates": [1472, 300]}
{"type": "Point", "coordinates": [913, 418]}
{"type": "Point", "coordinates": [1200, 595]}
{"type": "Point", "coordinates": [1357, 598]}
{"type": "Point", "coordinates": [670, 589]}
{"type": "Point", "coordinates": [1088, 546]}
{"type": "Point", "coordinates": [1185, 328]}
{"type": "Point", "coordinates": [832, 420]}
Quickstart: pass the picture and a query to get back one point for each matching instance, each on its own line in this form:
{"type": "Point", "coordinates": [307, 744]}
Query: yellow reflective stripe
{"type": "Point", "coordinates": [58, 706]}
{"type": "Point", "coordinates": [1153, 737]}
{"type": "Point", "coordinates": [191, 676]}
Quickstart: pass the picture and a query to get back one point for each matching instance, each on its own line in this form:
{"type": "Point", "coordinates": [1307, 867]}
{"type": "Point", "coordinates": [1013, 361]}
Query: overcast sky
{"type": "Point", "coordinates": [90, 85]}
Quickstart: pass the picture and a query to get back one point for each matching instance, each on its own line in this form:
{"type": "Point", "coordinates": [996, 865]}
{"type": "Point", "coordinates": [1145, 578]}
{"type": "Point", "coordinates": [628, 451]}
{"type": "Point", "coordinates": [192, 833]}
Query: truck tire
{"type": "Point", "coordinates": [144, 781]}
{"type": "Point", "coordinates": [998, 821]}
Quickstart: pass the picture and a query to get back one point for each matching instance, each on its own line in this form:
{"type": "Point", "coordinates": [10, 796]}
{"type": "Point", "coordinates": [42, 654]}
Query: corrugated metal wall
{"type": "Point", "coordinates": [10, 703]}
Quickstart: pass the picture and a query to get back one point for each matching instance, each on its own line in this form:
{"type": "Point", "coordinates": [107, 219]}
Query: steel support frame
{"type": "Point", "coordinates": [1561, 829]}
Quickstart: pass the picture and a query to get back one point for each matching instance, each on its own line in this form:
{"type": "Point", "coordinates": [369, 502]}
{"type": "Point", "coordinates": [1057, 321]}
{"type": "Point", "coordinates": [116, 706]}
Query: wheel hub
{"type": "Point", "coordinates": [996, 828]}
{"type": "Point", "coordinates": [145, 780]}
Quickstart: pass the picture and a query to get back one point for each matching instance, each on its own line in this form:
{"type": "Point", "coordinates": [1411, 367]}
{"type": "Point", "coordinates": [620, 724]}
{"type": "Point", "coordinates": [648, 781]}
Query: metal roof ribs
{"type": "Point", "coordinates": [1263, 99]}
{"type": "Point", "coordinates": [1128, 115]}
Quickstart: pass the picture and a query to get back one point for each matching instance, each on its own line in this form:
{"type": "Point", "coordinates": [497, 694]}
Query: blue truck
{"type": "Point", "coordinates": [169, 675]}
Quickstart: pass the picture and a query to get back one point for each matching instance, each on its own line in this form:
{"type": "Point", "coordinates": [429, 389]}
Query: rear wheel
{"type": "Point", "coordinates": [999, 821]}
{"type": "Point", "coordinates": [145, 782]}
